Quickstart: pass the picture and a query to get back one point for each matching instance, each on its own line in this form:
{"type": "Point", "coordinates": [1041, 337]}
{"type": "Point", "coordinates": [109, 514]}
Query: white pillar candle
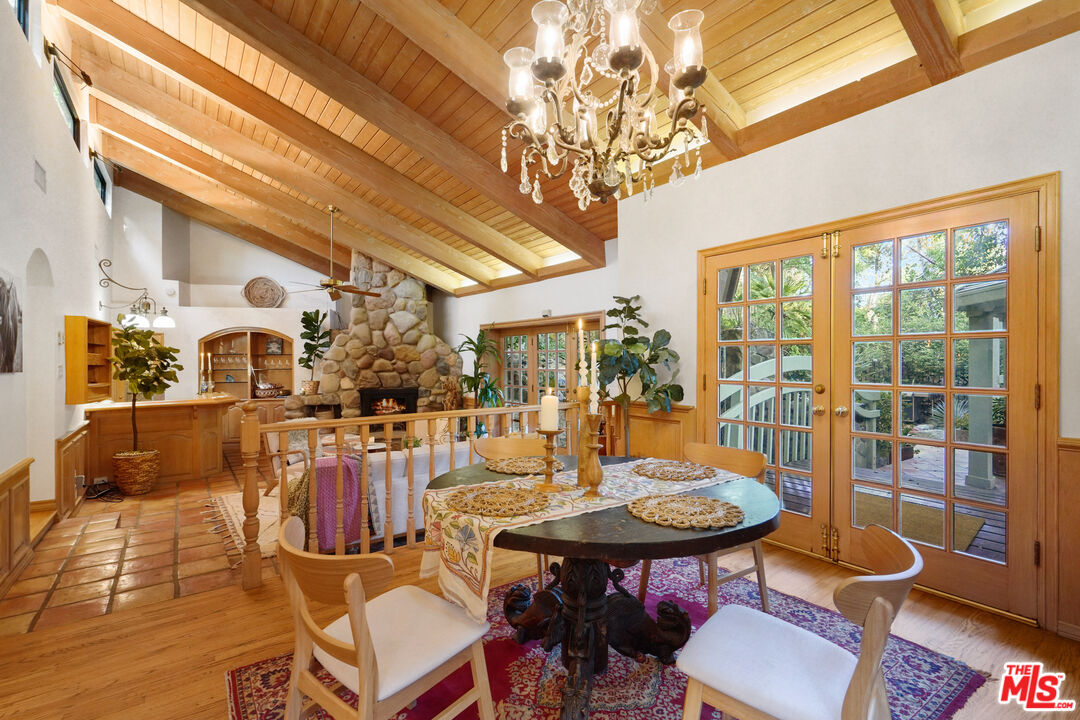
{"type": "Point", "coordinates": [594, 386]}
{"type": "Point", "coordinates": [583, 378]}
{"type": "Point", "coordinates": [549, 412]}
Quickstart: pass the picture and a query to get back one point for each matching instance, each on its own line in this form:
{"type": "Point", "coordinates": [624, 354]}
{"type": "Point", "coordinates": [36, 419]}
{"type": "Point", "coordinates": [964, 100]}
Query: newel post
{"type": "Point", "coordinates": [249, 452]}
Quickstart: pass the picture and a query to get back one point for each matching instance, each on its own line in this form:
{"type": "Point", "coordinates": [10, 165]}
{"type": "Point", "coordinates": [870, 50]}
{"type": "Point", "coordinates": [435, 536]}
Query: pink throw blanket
{"type": "Point", "coordinates": [326, 500]}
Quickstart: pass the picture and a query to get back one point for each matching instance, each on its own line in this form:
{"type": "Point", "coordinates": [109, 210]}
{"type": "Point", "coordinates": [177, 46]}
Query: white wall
{"type": "Point", "coordinates": [67, 222]}
{"type": "Point", "coordinates": [1010, 120]}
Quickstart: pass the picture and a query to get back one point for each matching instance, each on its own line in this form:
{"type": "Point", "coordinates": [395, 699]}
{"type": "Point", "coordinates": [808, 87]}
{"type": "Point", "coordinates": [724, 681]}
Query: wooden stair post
{"type": "Point", "coordinates": [249, 452]}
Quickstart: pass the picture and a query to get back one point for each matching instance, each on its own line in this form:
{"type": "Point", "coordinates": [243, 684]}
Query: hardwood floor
{"type": "Point", "coordinates": [168, 660]}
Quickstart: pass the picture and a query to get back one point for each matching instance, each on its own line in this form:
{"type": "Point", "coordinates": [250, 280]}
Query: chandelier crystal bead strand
{"type": "Point", "coordinates": [582, 43]}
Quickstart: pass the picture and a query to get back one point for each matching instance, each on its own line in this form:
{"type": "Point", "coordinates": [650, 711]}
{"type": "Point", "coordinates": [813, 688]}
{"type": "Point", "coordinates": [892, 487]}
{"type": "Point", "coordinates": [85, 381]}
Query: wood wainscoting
{"type": "Point", "coordinates": [72, 462]}
{"type": "Point", "coordinates": [658, 435]}
{"type": "Point", "coordinates": [15, 547]}
{"type": "Point", "coordinates": [1068, 538]}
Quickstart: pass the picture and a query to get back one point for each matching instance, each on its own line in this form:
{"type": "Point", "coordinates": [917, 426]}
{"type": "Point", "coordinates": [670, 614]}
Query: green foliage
{"type": "Point", "coordinates": [316, 340]}
{"type": "Point", "coordinates": [484, 387]}
{"type": "Point", "coordinates": [144, 364]}
{"type": "Point", "coordinates": [636, 354]}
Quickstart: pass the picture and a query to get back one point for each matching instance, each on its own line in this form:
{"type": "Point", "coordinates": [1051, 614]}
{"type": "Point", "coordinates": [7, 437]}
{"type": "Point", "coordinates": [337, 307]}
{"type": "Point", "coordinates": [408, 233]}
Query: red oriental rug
{"type": "Point", "coordinates": [526, 682]}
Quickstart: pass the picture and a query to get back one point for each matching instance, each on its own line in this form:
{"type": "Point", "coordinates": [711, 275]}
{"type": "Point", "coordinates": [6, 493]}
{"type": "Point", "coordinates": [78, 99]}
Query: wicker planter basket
{"type": "Point", "coordinates": [136, 473]}
{"type": "Point", "coordinates": [309, 387]}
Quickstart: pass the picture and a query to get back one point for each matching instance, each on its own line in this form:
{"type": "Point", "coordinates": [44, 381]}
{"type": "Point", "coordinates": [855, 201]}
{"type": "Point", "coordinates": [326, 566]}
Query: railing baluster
{"type": "Point", "coordinates": [470, 428]}
{"type": "Point", "coordinates": [410, 522]}
{"type": "Point", "coordinates": [365, 481]}
{"type": "Point", "coordinates": [249, 452]}
{"type": "Point", "coordinates": [388, 511]}
{"type": "Point", "coordinates": [339, 480]}
{"type": "Point", "coordinates": [313, 484]}
{"type": "Point", "coordinates": [283, 480]}
{"type": "Point", "coordinates": [431, 449]}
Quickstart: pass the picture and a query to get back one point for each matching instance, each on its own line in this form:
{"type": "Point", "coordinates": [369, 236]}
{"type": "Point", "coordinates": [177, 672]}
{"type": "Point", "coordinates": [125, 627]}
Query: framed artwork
{"type": "Point", "coordinates": [274, 346]}
{"type": "Point", "coordinates": [11, 326]}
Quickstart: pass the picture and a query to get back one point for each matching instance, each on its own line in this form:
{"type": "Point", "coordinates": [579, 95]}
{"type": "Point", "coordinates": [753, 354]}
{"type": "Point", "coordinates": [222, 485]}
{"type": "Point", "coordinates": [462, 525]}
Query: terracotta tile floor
{"type": "Point", "coordinates": [109, 557]}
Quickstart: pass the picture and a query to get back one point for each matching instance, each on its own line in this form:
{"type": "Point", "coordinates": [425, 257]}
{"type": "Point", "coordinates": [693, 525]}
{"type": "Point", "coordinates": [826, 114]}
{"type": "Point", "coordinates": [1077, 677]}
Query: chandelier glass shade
{"type": "Point", "coordinates": [607, 144]}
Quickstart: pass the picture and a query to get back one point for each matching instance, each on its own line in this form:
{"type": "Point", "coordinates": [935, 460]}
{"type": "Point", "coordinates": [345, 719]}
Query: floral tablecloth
{"type": "Point", "coordinates": [459, 546]}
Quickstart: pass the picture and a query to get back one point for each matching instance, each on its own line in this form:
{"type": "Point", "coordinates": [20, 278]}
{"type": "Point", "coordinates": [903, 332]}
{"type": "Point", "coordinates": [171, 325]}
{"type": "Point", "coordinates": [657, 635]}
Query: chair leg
{"type": "Point", "coordinates": [541, 567]}
{"type": "Point", "coordinates": [714, 585]}
{"type": "Point", "coordinates": [692, 703]}
{"type": "Point", "coordinates": [480, 682]}
{"type": "Point", "coordinates": [759, 560]}
{"type": "Point", "coordinates": [701, 570]}
{"type": "Point", "coordinates": [643, 585]}
{"type": "Point", "coordinates": [294, 702]}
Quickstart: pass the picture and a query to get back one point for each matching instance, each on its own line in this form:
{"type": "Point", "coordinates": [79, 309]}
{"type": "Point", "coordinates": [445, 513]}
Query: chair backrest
{"type": "Point", "coordinates": [872, 601]}
{"type": "Point", "coordinates": [741, 462]}
{"type": "Point", "coordinates": [334, 580]}
{"type": "Point", "coordinates": [497, 448]}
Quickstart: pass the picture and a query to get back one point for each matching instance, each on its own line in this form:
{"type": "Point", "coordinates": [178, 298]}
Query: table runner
{"type": "Point", "coordinates": [459, 546]}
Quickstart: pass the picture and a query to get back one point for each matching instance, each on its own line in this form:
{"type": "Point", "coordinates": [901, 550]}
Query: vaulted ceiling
{"type": "Point", "coordinates": [255, 115]}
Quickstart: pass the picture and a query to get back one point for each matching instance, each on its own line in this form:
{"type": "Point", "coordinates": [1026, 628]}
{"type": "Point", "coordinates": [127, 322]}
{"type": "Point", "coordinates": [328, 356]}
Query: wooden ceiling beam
{"type": "Point", "coordinates": [933, 26]}
{"type": "Point", "coordinates": [119, 123]}
{"type": "Point", "coordinates": [290, 48]}
{"type": "Point", "coordinates": [211, 193]}
{"type": "Point", "coordinates": [548, 271]}
{"type": "Point", "coordinates": [1037, 24]}
{"type": "Point", "coordinates": [207, 215]}
{"type": "Point", "coordinates": [114, 84]}
{"type": "Point", "coordinates": [131, 34]}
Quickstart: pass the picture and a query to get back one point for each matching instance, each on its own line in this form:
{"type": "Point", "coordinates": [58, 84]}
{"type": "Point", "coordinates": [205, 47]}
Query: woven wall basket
{"type": "Point", "coordinates": [263, 292]}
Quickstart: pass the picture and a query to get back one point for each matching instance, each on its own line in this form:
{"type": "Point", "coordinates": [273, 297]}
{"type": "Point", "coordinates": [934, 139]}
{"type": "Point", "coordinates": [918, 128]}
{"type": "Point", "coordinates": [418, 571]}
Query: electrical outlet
{"type": "Point", "coordinates": [80, 481]}
{"type": "Point", "coordinates": [101, 481]}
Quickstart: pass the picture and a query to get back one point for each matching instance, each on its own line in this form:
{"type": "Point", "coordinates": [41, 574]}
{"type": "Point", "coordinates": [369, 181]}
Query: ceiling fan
{"type": "Point", "coordinates": [332, 285]}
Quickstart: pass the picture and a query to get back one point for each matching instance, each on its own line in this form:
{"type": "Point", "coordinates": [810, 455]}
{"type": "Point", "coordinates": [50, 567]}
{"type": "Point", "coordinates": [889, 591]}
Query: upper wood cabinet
{"type": "Point", "coordinates": [242, 357]}
{"type": "Point", "coordinates": [86, 355]}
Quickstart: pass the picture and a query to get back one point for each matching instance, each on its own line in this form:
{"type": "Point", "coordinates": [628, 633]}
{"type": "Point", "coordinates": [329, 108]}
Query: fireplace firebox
{"type": "Point", "coordinates": [388, 401]}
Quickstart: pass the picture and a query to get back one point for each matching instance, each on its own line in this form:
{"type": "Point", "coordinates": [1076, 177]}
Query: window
{"type": "Point", "coordinates": [67, 107]}
{"type": "Point", "coordinates": [22, 14]}
{"type": "Point", "coordinates": [101, 184]}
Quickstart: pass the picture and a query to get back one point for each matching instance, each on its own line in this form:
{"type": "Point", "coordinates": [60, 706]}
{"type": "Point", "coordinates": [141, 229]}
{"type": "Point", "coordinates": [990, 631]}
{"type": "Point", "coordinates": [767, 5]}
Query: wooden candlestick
{"type": "Point", "coordinates": [583, 429]}
{"type": "Point", "coordinates": [549, 463]}
{"type": "Point", "coordinates": [590, 474]}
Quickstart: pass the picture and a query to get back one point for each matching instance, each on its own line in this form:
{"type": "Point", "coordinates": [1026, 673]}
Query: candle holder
{"type": "Point", "coordinates": [583, 429]}
{"type": "Point", "coordinates": [590, 474]}
{"type": "Point", "coordinates": [549, 461]}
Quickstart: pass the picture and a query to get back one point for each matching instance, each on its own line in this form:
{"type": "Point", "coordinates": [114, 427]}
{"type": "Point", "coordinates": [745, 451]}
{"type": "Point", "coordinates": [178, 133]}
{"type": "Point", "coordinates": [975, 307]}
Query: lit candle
{"type": "Point", "coordinates": [209, 364]}
{"type": "Point", "coordinates": [594, 386]}
{"type": "Point", "coordinates": [583, 377]}
{"type": "Point", "coordinates": [549, 411]}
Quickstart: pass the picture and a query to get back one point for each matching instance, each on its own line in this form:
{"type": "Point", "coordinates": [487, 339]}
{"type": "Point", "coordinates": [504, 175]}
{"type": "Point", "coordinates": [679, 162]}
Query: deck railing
{"type": "Point", "coordinates": [257, 439]}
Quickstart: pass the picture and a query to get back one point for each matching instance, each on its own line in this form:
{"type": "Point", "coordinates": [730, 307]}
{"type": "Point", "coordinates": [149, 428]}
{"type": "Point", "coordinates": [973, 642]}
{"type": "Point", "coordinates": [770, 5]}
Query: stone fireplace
{"type": "Point", "coordinates": [388, 346]}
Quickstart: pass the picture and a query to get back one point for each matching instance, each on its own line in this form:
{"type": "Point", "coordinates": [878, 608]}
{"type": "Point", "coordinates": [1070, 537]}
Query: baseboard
{"type": "Point", "coordinates": [1068, 630]}
{"type": "Point", "coordinates": [41, 505]}
{"type": "Point", "coordinates": [53, 519]}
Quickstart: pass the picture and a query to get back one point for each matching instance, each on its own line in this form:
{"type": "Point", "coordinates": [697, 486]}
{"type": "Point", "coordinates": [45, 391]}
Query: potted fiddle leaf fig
{"type": "Point", "coordinates": [480, 389]}
{"type": "Point", "coordinates": [633, 360]}
{"type": "Point", "coordinates": [147, 367]}
{"type": "Point", "coordinates": [316, 343]}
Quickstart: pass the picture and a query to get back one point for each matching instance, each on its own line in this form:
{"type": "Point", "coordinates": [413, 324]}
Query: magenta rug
{"type": "Point", "coordinates": [526, 681]}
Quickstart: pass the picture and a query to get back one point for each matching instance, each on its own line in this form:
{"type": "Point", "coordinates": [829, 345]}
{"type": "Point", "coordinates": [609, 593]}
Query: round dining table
{"type": "Point", "coordinates": [592, 542]}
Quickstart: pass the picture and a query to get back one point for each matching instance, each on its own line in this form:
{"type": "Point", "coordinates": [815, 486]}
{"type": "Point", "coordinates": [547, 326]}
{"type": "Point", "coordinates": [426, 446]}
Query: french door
{"type": "Point", "coordinates": [908, 397]}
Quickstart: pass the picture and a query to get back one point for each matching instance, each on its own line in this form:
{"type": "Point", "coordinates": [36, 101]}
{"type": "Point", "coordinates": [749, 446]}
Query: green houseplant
{"type": "Point", "coordinates": [148, 368]}
{"type": "Point", "coordinates": [316, 343]}
{"type": "Point", "coordinates": [479, 386]}
{"type": "Point", "coordinates": [634, 355]}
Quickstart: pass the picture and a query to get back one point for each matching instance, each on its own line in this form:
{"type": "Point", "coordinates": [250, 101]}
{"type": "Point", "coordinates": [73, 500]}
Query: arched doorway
{"type": "Point", "coordinates": [40, 360]}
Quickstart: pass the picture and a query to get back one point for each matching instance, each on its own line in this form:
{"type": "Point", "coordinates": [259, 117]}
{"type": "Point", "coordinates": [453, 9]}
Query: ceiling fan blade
{"type": "Point", "coordinates": [352, 289]}
{"type": "Point", "coordinates": [312, 289]}
{"type": "Point", "coordinates": [334, 294]}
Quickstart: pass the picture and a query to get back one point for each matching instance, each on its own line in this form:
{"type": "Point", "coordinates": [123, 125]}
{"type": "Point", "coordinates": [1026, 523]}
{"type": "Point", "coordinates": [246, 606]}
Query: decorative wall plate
{"type": "Point", "coordinates": [686, 511]}
{"type": "Point", "coordinates": [263, 292]}
{"type": "Point", "coordinates": [521, 465]}
{"type": "Point", "coordinates": [674, 471]}
{"type": "Point", "coordinates": [495, 501]}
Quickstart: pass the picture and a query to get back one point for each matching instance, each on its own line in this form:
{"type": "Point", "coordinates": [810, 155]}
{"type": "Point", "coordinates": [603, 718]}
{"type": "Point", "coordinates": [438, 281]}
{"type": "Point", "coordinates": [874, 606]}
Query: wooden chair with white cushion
{"type": "Point", "coordinates": [499, 448]}
{"type": "Point", "coordinates": [271, 448]}
{"type": "Point", "coordinates": [754, 666]}
{"type": "Point", "coordinates": [741, 462]}
{"type": "Point", "coordinates": [388, 650]}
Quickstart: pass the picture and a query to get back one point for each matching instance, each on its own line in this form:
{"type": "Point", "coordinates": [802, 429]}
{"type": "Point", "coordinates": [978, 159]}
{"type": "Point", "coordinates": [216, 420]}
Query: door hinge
{"type": "Point", "coordinates": [703, 381]}
{"type": "Point", "coordinates": [704, 284]}
{"type": "Point", "coordinates": [1038, 238]}
{"type": "Point", "coordinates": [1038, 396]}
{"type": "Point", "coordinates": [1038, 553]}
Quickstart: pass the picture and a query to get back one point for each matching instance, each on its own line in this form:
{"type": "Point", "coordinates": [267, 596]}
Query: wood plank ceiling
{"type": "Point", "coordinates": [267, 111]}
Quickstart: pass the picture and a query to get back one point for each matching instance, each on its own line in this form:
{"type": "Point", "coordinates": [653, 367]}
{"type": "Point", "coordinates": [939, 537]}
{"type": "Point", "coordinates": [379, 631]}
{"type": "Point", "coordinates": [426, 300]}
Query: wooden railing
{"type": "Point", "coordinates": [255, 444]}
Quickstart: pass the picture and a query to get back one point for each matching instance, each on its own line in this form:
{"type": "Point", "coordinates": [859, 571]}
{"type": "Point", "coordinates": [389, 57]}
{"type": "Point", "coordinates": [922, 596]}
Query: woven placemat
{"type": "Point", "coordinates": [686, 511]}
{"type": "Point", "coordinates": [673, 470]}
{"type": "Point", "coordinates": [497, 501]}
{"type": "Point", "coordinates": [521, 465]}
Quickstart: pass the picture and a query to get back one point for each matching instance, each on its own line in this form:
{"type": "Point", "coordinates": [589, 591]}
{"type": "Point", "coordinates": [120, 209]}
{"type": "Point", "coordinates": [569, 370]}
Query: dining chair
{"type": "Point", "coordinates": [271, 448]}
{"type": "Point", "coordinates": [754, 666]}
{"type": "Point", "coordinates": [741, 462]}
{"type": "Point", "coordinates": [499, 448]}
{"type": "Point", "coordinates": [388, 650]}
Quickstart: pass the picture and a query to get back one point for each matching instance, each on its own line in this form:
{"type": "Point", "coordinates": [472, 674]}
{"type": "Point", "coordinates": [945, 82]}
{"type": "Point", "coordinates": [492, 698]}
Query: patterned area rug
{"type": "Point", "coordinates": [526, 681]}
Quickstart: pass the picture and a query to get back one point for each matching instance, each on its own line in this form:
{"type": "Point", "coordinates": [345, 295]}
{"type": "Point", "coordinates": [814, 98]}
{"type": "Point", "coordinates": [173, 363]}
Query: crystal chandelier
{"type": "Point", "coordinates": [557, 118]}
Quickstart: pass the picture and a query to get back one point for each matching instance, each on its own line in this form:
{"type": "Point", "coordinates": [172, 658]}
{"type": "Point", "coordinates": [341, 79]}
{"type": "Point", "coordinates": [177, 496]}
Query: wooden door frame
{"type": "Point", "coordinates": [1048, 188]}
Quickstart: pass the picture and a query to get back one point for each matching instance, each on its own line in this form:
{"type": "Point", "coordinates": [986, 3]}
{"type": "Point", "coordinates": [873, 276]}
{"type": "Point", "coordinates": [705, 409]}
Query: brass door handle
{"type": "Point", "coordinates": [840, 411]}
{"type": "Point", "coordinates": [819, 409]}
